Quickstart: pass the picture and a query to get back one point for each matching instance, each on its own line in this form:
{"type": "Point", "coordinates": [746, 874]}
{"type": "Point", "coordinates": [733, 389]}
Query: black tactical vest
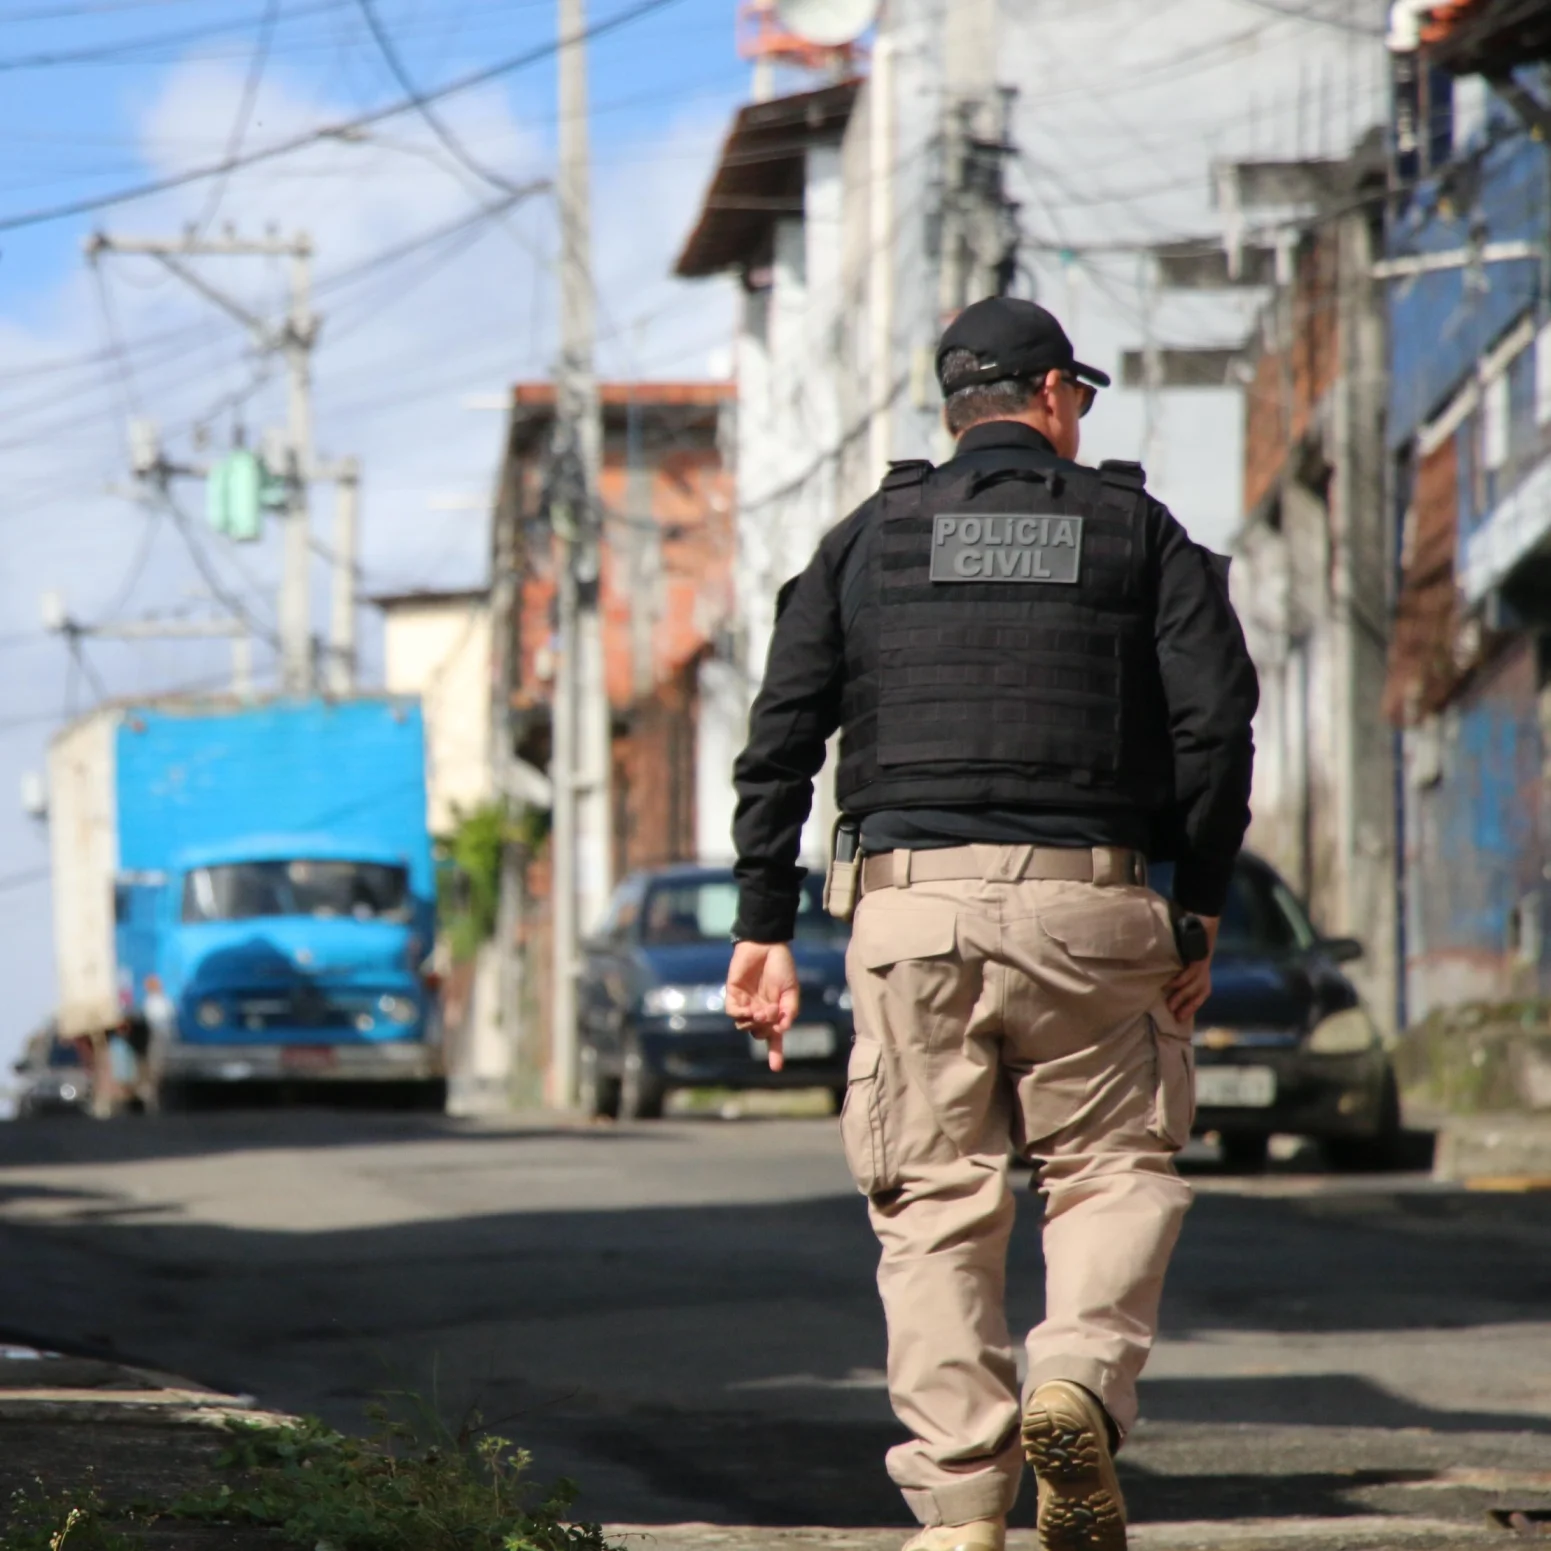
{"type": "Point", "coordinates": [999, 640]}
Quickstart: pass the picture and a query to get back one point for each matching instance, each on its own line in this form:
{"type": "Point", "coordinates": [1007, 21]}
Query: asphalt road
{"type": "Point", "coordinates": [682, 1317]}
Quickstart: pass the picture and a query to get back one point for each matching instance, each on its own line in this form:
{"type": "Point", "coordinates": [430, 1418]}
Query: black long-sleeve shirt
{"type": "Point", "coordinates": [1208, 681]}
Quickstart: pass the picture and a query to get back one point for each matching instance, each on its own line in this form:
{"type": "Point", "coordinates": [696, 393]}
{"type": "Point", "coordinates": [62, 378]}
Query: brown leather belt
{"type": "Point", "coordinates": [1103, 865]}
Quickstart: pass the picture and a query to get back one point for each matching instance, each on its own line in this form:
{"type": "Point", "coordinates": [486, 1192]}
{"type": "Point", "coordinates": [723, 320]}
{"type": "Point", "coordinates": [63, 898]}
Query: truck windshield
{"type": "Point", "coordinates": [244, 891]}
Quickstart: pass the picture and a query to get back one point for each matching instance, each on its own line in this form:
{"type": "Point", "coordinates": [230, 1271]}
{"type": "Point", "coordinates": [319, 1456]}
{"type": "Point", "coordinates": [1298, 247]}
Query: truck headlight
{"type": "Point", "coordinates": [398, 1009]}
{"type": "Point", "coordinates": [661, 1001]}
{"type": "Point", "coordinates": [1346, 1033]}
{"type": "Point", "coordinates": [210, 1015]}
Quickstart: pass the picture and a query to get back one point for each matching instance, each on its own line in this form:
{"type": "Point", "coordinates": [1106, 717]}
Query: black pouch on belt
{"type": "Point", "coordinates": [1189, 935]}
{"type": "Point", "coordinates": [842, 881]}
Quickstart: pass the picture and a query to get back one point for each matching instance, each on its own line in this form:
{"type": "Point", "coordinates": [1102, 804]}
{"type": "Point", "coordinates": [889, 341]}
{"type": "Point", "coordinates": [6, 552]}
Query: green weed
{"type": "Point", "coordinates": [319, 1490]}
{"type": "Point", "coordinates": [327, 1492]}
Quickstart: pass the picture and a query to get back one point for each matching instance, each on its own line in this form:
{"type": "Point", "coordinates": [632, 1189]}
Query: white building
{"type": "Point", "coordinates": [437, 645]}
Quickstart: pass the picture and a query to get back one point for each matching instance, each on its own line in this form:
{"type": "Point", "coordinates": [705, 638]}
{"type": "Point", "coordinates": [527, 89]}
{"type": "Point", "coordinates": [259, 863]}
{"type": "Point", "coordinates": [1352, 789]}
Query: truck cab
{"type": "Point", "coordinates": [290, 957]}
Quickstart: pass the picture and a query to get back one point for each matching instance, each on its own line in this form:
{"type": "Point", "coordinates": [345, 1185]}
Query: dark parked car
{"type": "Point", "coordinates": [651, 997]}
{"type": "Point", "coordinates": [1284, 1043]}
{"type": "Point", "coordinates": [53, 1078]}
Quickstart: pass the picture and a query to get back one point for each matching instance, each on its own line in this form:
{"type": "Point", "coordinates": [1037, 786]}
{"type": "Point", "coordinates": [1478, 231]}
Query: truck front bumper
{"type": "Point", "coordinates": [388, 1061]}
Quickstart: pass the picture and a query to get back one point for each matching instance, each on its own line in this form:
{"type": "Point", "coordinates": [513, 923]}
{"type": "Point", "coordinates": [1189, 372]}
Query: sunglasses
{"type": "Point", "coordinates": [1086, 393]}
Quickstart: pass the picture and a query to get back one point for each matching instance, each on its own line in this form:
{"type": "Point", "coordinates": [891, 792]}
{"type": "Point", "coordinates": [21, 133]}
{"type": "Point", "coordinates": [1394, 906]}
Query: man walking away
{"type": "Point", "coordinates": [1040, 686]}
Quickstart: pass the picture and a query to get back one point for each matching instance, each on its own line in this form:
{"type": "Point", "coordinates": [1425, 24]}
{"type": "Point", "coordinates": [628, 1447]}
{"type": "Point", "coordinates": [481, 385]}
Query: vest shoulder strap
{"type": "Point", "coordinates": [1124, 475]}
{"type": "Point", "coordinates": [907, 472]}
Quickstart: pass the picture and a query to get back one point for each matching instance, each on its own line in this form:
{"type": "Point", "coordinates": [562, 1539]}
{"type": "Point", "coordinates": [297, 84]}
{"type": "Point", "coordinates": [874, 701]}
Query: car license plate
{"type": "Point", "coordinates": [1235, 1087]}
{"type": "Point", "coordinates": [803, 1042]}
{"type": "Point", "coordinates": [308, 1058]}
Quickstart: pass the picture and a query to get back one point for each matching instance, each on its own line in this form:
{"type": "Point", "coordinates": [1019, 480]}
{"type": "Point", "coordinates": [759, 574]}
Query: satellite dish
{"type": "Point", "coordinates": [827, 23]}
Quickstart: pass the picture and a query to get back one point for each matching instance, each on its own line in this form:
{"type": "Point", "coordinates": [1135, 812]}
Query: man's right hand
{"type": "Point", "coordinates": [762, 993]}
{"type": "Point", "coordinates": [1189, 989]}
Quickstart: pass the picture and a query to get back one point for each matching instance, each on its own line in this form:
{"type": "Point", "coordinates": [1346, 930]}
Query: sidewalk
{"type": "Point", "coordinates": [132, 1433]}
{"type": "Point", "coordinates": [1497, 1151]}
{"type": "Point", "coordinates": [72, 1423]}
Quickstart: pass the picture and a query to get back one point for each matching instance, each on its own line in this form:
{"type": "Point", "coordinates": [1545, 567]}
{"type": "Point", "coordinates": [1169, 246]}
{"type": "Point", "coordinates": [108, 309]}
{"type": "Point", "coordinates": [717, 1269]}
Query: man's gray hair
{"type": "Point", "coordinates": [982, 401]}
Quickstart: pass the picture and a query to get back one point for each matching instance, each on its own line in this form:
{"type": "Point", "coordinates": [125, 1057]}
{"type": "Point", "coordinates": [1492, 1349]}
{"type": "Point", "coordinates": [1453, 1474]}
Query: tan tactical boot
{"type": "Point", "coordinates": [981, 1535]}
{"type": "Point", "coordinates": [1066, 1439]}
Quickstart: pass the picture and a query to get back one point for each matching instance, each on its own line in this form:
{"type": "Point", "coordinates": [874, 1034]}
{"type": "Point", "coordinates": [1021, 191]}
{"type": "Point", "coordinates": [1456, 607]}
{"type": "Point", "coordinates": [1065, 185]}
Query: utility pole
{"type": "Point", "coordinates": [347, 496]}
{"type": "Point", "coordinates": [58, 622]}
{"type": "Point", "coordinates": [581, 838]}
{"type": "Point", "coordinates": [295, 601]}
{"type": "Point", "coordinates": [294, 339]}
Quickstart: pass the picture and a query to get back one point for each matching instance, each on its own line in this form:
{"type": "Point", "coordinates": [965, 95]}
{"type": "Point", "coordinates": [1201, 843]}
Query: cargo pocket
{"type": "Point", "coordinates": [1174, 1087]}
{"type": "Point", "coordinates": [1111, 925]}
{"type": "Point", "coordinates": [863, 1131]}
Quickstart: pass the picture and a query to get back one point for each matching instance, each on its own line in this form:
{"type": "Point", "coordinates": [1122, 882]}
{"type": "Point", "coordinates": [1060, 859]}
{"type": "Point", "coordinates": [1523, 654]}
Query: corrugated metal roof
{"type": "Point", "coordinates": [760, 176]}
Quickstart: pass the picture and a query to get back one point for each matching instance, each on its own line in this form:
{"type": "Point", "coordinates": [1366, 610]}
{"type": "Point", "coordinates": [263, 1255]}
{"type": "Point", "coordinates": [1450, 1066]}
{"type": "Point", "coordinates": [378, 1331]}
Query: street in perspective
{"type": "Point", "coordinates": [681, 672]}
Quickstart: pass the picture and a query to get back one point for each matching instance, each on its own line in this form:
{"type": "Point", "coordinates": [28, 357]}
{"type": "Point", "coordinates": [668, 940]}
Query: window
{"type": "Point", "coordinates": [624, 909]}
{"type": "Point", "coordinates": [247, 891]}
{"type": "Point", "coordinates": [700, 910]}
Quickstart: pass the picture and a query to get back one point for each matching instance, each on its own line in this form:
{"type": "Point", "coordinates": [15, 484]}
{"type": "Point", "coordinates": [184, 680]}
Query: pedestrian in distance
{"type": "Point", "coordinates": [1040, 686]}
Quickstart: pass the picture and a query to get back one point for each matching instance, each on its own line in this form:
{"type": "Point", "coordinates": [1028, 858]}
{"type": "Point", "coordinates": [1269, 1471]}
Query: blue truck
{"type": "Point", "coordinates": [246, 892]}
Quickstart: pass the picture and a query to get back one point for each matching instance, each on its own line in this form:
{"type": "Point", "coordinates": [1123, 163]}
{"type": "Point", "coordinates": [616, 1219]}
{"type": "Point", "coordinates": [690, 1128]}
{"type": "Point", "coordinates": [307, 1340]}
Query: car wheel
{"type": "Point", "coordinates": [598, 1095]}
{"type": "Point", "coordinates": [1245, 1152]}
{"type": "Point", "coordinates": [1369, 1154]}
{"type": "Point", "coordinates": [641, 1090]}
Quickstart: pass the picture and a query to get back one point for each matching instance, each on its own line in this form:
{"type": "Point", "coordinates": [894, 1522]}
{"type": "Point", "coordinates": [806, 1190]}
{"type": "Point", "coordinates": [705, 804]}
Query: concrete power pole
{"type": "Point", "coordinates": [295, 600]}
{"type": "Point", "coordinates": [581, 839]}
{"type": "Point", "coordinates": [347, 498]}
{"type": "Point", "coordinates": [294, 339]}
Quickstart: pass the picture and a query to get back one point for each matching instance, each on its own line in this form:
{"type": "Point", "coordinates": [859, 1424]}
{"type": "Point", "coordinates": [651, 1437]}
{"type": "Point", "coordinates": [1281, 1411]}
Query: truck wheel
{"type": "Point", "coordinates": [641, 1091]}
{"type": "Point", "coordinates": [426, 1097]}
{"type": "Point", "coordinates": [174, 1097]}
{"type": "Point", "coordinates": [598, 1095]}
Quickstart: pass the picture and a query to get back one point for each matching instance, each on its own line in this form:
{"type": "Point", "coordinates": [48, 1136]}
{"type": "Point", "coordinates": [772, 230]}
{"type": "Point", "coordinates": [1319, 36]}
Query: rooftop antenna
{"type": "Point", "coordinates": [822, 36]}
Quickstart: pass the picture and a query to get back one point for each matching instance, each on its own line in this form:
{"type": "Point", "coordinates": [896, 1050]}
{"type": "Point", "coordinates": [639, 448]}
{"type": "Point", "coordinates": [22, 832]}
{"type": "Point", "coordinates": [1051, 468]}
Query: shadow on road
{"type": "Point", "coordinates": [718, 1360]}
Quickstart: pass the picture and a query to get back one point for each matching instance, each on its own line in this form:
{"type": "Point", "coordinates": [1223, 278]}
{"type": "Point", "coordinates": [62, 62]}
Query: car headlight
{"type": "Point", "coordinates": [210, 1015]}
{"type": "Point", "coordinates": [662, 1001]}
{"type": "Point", "coordinates": [838, 997]}
{"type": "Point", "coordinates": [398, 1009]}
{"type": "Point", "coordinates": [1345, 1033]}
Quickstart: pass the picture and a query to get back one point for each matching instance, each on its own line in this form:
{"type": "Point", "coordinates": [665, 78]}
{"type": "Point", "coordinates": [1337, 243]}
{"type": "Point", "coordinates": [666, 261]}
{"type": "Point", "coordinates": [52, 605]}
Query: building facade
{"type": "Point", "coordinates": [666, 597]}
{"type": "Point", "coordinates": [1469, 443]}
{"type": "Point", "coordinates": [1312, 570]}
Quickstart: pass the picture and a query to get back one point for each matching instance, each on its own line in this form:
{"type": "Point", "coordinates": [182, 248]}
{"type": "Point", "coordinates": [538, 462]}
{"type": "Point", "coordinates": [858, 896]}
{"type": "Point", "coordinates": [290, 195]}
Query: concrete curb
{"type": "Point", "coordinates": [1365, 1532]}
{"type": "Point", "coordinates": [37, 1385]}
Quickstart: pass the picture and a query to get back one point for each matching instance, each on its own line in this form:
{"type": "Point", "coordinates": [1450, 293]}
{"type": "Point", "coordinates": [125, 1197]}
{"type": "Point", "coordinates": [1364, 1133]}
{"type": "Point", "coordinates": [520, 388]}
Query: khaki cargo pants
{"type": "Point", "coordinates": [998, 1014]}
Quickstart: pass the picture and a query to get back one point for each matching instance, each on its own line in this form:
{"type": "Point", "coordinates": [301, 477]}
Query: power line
{"type": "Point", "coordinates": [1299, 13]}
{"type": "Point", "coordinates": [19, 880]}
{"type": "Point", "coordinates": [340, 131]}
{"type": "Point", "coordinates": [433, 119]}
{"type": "Point", "coordinates": [113, 51]}
{"type": "Point", "coordinates": [250, 90]}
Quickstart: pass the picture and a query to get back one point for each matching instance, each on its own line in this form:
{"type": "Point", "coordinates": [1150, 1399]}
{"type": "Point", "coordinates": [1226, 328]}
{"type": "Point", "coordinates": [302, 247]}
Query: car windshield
{"type": "Point", "coordinates": [1260, 915]}
{"type": "Point", "coordinates": [246, 891]}
{"type": "Point", "coordinates": [700, 910]}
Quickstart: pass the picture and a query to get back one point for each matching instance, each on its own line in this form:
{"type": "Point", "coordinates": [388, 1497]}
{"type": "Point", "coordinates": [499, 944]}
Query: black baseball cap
{"type": "Point", "coordinates": [1010, 338]}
